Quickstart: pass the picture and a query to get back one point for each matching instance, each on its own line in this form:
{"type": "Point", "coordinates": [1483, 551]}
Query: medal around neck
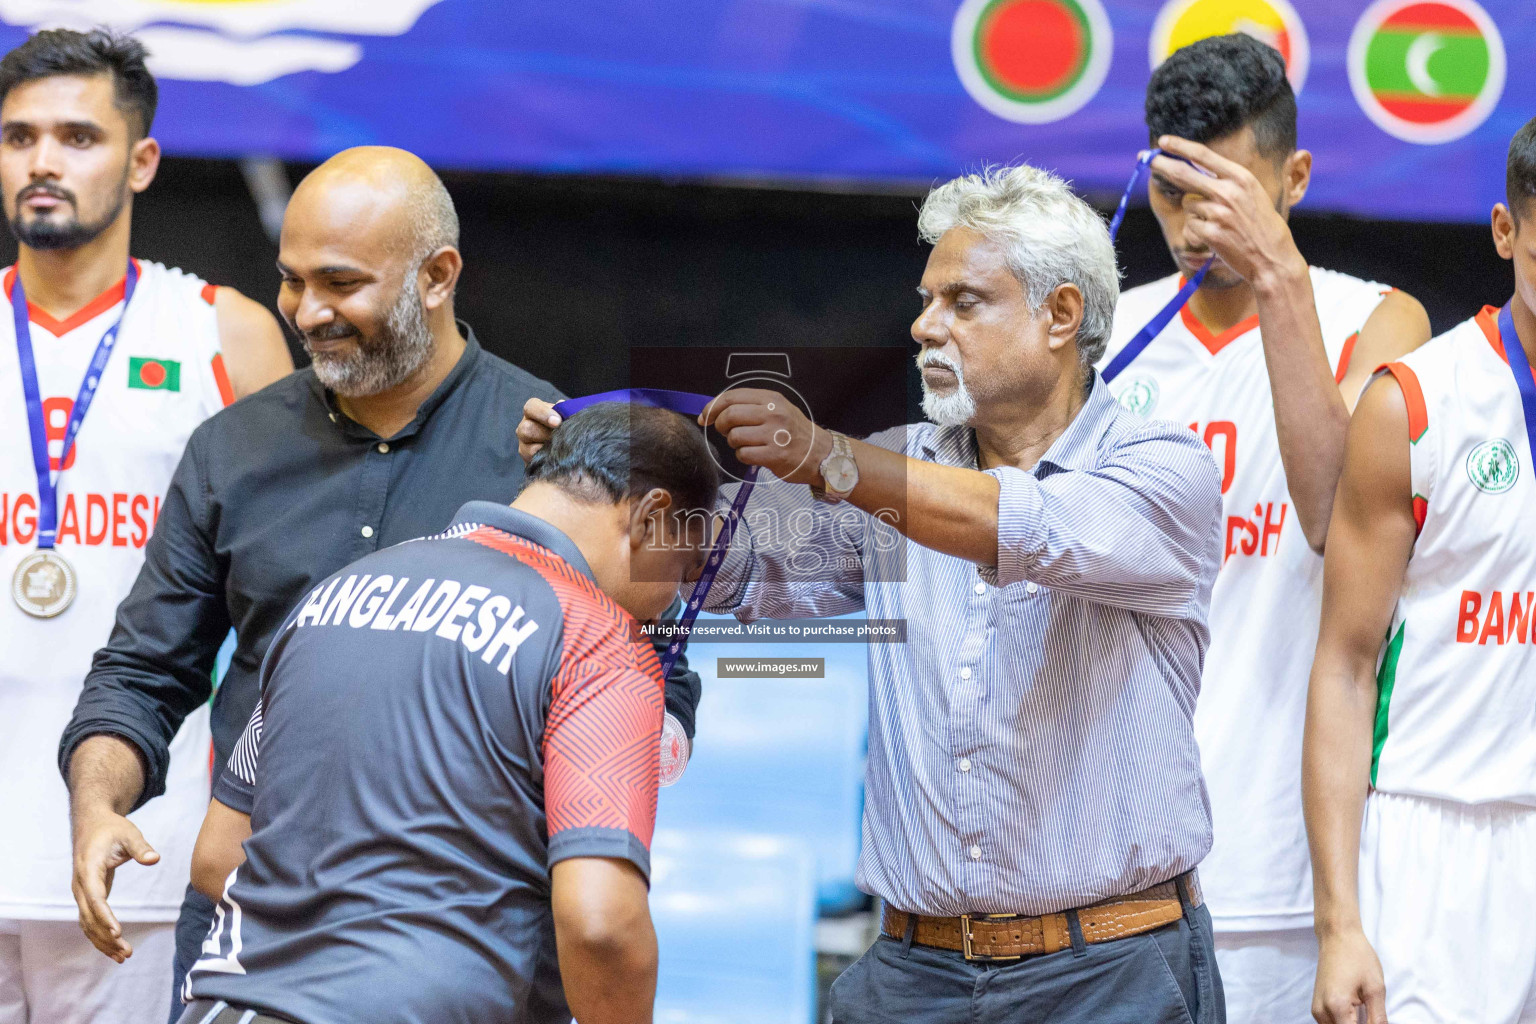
{"type": "Point", "coordinates": [44, 584]}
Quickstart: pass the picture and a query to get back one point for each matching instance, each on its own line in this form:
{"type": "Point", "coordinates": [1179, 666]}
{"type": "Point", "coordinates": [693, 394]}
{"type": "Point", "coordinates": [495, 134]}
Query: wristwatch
{"type": "Point", "coordinates": [838, 471]}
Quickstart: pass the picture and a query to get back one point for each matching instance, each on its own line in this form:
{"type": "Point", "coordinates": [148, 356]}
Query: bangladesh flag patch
{"type": "Point", "coordinates": [1426, 71]}
{"type": "Point", "coordinates": [154, 374]}
{"type": "Point", "coordinates": [1031, 61]}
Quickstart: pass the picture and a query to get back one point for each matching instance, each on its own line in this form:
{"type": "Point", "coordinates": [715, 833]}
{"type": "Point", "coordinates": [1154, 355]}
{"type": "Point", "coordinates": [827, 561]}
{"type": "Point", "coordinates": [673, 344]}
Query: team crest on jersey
{"type": "Point", "coordinates": [1493, 466]}
{"type": "Point", "coordinates": [1139, 395]}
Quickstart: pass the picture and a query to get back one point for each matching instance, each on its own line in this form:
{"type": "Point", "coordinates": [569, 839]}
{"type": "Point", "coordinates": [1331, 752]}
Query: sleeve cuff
{"type": "Point", "coordinates": [611, 843]}
{"type": "Point", "coordinates": [155, 758]}
{"type": "Point", "coordinates": [234, 792]}
{"type": "Point", "coordinates": [1020, 526]}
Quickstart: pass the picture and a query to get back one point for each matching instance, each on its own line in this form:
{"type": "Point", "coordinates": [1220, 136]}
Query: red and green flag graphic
{"type": "Point", "coordinates": [1031, 61]}
{"type": "Point", "coordinates": [154, 374]}
{"type": "Point", "coordinates": [1426, 71]}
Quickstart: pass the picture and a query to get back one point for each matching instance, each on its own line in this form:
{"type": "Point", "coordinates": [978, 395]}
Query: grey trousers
{"type": "Point", "coordinates": [1167, 976]}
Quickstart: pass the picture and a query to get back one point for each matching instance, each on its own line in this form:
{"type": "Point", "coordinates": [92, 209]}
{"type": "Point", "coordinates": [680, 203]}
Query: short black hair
{"type": "Point", "coordinates": [1216, 86]}
{"type": "Point", "coordinates": [61, 51]}
{"type": "Point", "coordinates": [1520, 172]}
{"type": "Point", "coordinates": [613, 450]}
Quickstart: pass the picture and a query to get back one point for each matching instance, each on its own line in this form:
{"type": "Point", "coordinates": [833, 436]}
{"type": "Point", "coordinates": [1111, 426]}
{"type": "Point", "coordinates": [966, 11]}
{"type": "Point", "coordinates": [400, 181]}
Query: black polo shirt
{"type": "Point", "coordinates": [274, 493]}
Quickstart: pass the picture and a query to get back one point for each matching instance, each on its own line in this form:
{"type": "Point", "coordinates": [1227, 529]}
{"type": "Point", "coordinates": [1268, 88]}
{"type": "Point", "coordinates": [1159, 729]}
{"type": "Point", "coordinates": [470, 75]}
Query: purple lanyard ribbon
{"type": "Point", "coordinates": [47, 486]}
{"type": "Point", "coordinates": [688, 404]}
{"type": "Point", "coordinates": [1514, 351]}
{"type": "Point", "coordinates": [1155, 326]}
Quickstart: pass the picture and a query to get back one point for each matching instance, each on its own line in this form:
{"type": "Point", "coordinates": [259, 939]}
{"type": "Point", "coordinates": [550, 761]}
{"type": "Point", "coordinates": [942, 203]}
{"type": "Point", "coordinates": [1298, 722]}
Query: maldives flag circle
{"type": "Point", "coordinates": [1426, 71]}
{"type": "Point", "coordinates": [1031, 61]}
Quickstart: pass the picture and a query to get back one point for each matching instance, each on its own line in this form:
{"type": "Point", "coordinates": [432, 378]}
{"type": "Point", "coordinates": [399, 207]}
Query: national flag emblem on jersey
{"type": "Point", "coordinates": [1031, 61]}
{"type": "Point", "coordinates": [1493, 467]}
{"type": "Point", "coordinates": [1273, 22]}
{"type": "Point", "coordinates": [1426, 72]}
{"type": "Point", "coordinates": [154, 374]}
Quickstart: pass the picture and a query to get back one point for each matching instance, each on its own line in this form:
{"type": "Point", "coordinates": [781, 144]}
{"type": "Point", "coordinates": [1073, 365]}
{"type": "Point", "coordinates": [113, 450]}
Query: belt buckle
{"type": "Point", "coordinates": [965, 938]}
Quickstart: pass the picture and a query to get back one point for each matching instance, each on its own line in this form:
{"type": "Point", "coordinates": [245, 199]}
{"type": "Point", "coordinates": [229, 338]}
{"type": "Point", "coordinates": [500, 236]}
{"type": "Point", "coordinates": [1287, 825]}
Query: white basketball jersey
{"type": "Point", "coordinates": [1267, 598]}
{"type": "Point", "coordinates": [1456, 715]}
{"type": "Point", "coordinates": [165, 377]}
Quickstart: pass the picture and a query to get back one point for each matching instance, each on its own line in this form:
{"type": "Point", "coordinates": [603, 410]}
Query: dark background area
{"type": "Point", "coordinates": [565, 275]}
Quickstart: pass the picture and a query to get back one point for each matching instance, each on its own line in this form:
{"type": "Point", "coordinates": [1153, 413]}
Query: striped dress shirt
{"type": "Point", "coordinates": [1030, 744]}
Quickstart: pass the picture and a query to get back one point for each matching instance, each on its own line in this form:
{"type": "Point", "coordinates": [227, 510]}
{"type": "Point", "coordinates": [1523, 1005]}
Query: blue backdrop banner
{"type": "Point", "coordinates": [1408, 105]}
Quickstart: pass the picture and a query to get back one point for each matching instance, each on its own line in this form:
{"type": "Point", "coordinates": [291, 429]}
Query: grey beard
{"type": "Point", "coordinates": [403, 345]}
{"type": "Point", "coordinates": [956, 409]}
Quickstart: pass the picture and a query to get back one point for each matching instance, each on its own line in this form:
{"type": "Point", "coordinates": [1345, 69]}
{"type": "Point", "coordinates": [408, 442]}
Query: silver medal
{"type": "Point", "coordinates": [44, 584]}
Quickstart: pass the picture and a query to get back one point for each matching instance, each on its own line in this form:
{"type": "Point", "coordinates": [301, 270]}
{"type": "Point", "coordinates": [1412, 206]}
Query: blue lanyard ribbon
{"type": "Point", "coordinates": [1155, 326]}
{"type": "Point", "coordinates": [688, 404]}
{"type": "Point", "coordinates": [47, 486]}
{"type": "Point", "coordinates": [1514, 351]}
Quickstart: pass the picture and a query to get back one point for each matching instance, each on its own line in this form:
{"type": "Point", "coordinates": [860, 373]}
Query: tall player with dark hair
{"type": "Point", "coordinates": [133, 355]}
{"type": "Point", "coordinates": [1425, 913]}
{"type": "Point", "coordinates": [1265, 363]}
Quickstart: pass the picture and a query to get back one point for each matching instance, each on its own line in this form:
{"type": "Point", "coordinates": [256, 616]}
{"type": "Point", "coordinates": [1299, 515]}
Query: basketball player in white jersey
{"type": "Point", "coordinates": [75, 111]}
{"type": "Point", "coordinates": [1422, 716]}
{"type": "Point", "coordinates": [1264, 364]}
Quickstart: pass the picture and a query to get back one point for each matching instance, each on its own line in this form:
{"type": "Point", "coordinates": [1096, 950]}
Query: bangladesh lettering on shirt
{"type": "Point", "coordinates": [488, 624]}
{"type": "Point", "coordinates": [119, 519]}
{"type": "Point", "coordinates": [1491, 619]}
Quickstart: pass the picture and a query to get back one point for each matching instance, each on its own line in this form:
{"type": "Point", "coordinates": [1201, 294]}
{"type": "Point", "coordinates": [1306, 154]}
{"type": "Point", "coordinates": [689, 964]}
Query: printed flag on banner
{"type": "Point", "coordinates": [1032, 61]}
{"type": "Point", "coordinates": [1426, 72]}
{"type": "Point", "coordinates": [1275, 22]}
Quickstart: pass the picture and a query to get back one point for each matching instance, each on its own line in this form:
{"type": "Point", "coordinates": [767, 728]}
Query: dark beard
{"type": "Point", "coordinates": [45, 233]}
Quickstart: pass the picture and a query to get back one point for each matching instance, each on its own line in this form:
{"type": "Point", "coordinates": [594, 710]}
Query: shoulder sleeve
{"type": "Point", "coordinates": [601, 738]}
{"type": "Point", "coordinates": [236, 785]}
{"type": "Point", "coordinates": [1423, 443]}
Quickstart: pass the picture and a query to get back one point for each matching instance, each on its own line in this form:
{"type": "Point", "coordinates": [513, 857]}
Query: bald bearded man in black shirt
{"type": "Point", "coordinates": [400, 420]}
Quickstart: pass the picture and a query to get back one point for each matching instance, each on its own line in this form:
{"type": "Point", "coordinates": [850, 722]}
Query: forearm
{"type": "Point", "coordinates": [1336, 766]}
{"type": "Point", "coordinates": [611, 982]}
{"type": "Point", "coordinates": [944, 508]}
{"type": "Point", "coordinates": [106, 775]}
{"type": "Point", "coordinates": [1311, 418]}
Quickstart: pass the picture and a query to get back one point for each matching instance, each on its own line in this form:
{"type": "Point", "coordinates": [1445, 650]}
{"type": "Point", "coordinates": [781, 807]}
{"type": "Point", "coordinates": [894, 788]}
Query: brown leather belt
{"type": "Point", "coordinates": [1013, 937]}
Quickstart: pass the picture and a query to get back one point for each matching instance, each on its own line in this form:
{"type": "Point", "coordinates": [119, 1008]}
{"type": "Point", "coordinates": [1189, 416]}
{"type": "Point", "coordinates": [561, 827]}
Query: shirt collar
{"type": "Point", "coordinates": [530, 528]}
{"type": "Point", "coordinates": [456, 375]}
{"type": "Point", "coordinates": [1075, 449]}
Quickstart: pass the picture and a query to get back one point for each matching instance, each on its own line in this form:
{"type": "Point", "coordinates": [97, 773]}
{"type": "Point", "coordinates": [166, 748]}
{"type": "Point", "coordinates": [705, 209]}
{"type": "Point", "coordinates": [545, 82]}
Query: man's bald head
{"type": "Point", "coordinates": [397, 185]}
{"type": "Point", "coordinates": [369, 258]}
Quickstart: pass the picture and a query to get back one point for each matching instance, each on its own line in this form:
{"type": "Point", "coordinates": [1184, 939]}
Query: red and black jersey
{"type": "Point", "coordinates": [439, 724]}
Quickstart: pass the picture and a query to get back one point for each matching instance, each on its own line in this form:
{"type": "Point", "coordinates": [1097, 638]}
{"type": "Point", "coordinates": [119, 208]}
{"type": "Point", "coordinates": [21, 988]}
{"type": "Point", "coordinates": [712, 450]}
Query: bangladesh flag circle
{"type": "Point", "coordinates": [1031, 61]}
{"type": "Point", "coordinates": [151, 373]}
{"type": "Point", "coordinates": [1426, 71]}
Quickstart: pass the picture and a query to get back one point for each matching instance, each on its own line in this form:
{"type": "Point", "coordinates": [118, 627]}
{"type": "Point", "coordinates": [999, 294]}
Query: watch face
{"type": "Point", "coordinates": [841, 474]}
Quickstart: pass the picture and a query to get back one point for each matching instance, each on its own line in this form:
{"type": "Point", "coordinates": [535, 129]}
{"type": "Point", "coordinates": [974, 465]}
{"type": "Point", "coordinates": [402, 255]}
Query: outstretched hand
{"type": "Point", "coordinates": [104, 843]}
{"type": "Point", "coordinates": [766, 429]}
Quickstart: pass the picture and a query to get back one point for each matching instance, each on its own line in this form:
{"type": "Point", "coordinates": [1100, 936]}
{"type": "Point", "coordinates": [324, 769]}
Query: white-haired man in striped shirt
{"type": "Point", "coordinates": [1035, 808]}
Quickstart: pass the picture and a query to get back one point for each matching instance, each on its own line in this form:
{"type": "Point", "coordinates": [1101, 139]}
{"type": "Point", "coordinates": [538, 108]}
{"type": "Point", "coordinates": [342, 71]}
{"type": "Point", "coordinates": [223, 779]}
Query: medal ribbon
{"type": "Point", "coordinates": [688, 404]}
{"type": "Point", "coordinates": [47, 487]}
{"type": "Point", "coordinates": [1514, 351]}
{"type": "Point", "coordinates": [1155, 326]}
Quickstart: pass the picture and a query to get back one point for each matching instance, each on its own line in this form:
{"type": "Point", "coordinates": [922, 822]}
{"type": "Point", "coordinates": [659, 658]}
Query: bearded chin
{"type": "Point", "coordinates": [44, 233]}
{"type": "Point", "coordinates": [403, 344]}
{"type": "Point", "coordinates": [954, 409]}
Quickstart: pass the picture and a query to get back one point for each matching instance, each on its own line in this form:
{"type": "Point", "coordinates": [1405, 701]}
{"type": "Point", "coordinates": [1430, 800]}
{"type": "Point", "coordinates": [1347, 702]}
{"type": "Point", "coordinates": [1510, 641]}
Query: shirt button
{"type": "Point", "coordinates": [975, 853]}
{"type": "Point", "coordinates": [1030, 588]}
{"type": "Point", "coordinates": [965, 673]}
{"type": "Point", "coordinates": [965, 764]}
{"type": "Point", "coordinates": [383, 448]}
{"type": "Point", "coordinates": [981, 588]}
{"type": "Point", "coordinates": [367, 531]}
